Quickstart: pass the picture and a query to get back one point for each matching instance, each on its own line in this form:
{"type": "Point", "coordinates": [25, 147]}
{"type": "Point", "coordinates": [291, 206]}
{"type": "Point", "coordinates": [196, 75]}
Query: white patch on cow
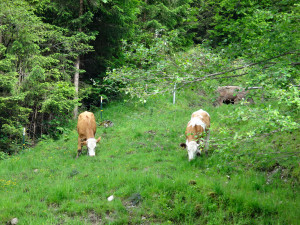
{"type": "Point", "coordinates": [196, 121]}
{"type": "Point", "coordinates": [192, 148]}
{"type": "Point", "coordinates": [201, 111]}
{"type": "Point", "coordinates": [200, 116]}
{"type": "Point", "coordinates": [91, 145]}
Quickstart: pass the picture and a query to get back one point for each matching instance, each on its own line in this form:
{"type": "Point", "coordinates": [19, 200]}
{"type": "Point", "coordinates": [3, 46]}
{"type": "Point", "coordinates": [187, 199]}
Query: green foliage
{"type": "Point", "coordinates": [35, 66]}
{"type": "Point", "coordinates": [251, 175]}
{"type": "Point", "coordinates": [3, 156]}
{"type": "Point", "coordinates": [144, 45]}
{"type": "Point", "coordinates": [13, 115]}
{"type": "Point", "coordinates": [254, 181]}
{"type": "Point", "coordinates": [157, 69]}
{"type": "Point", "coordinates": [254, 28]}
{"type": "Point", "coordinates": [159, 18]}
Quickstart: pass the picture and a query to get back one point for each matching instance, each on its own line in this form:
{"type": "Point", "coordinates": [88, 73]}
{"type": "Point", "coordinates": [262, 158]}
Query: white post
{"type": "Point", "coordinates": [24, 133]}
{"type": "Point", "coordinates": [101, 110]}
{"type": "Point", "coordinates": [174, 93]}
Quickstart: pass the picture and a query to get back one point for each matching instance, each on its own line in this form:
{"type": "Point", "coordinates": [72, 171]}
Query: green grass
{"type": "Point", "coordinates": [140, 156]}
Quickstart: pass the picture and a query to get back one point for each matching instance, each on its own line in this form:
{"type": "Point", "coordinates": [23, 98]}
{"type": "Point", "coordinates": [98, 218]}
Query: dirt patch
{"type": "Point", "coordinates": [106, 123]}
{"type": "Point", "coordinates": [277, 169]}
{"type": "Point", "coordinates": [94, 218]}
{"type": "Point", "coordinates": [131, 203]}
{"type": "Point", "coordinates": [152, 132]}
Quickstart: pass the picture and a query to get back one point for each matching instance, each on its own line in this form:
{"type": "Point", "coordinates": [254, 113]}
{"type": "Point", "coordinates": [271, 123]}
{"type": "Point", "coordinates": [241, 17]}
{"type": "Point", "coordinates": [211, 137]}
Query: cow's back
{"type": "Point", "coordinates": [203, 116]}
{"type": "Point", "coordinates": [199, 123]}
{"type": "Point", "coordinates": [86, 125]}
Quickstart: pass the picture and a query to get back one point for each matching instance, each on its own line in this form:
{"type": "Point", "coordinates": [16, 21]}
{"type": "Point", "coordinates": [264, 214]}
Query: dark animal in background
{"type": "Point", "coordinates": [231, 95]}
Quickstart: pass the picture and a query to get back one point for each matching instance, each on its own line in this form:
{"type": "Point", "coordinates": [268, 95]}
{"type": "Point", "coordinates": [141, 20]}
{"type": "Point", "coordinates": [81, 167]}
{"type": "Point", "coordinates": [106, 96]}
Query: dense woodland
{"type": "Point", "coordinates": [60, 56]}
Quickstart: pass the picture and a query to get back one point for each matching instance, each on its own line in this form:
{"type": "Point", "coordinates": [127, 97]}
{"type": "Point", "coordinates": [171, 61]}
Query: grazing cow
{"type": "Point", "coordinates": [197, 129]}
{"type": "Point", "coordinates": [86, 128]}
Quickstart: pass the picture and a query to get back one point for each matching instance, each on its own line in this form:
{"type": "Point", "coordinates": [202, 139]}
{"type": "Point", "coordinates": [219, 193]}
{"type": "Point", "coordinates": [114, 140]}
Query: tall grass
{"type": "Point", "coordinates": [139, 161]}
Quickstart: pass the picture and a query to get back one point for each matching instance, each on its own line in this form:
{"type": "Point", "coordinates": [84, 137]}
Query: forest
{"type": "Point", "coordinates": [58, 58]}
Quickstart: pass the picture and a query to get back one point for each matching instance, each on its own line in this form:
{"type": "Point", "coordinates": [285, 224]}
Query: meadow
{"type": "Point", "coordinates": [139, 161]}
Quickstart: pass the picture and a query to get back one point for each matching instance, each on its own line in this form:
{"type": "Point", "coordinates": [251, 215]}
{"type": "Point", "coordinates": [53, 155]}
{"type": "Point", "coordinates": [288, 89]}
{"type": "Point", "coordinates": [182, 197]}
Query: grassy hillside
{"type": "Point", "coordinates": [139, 161]}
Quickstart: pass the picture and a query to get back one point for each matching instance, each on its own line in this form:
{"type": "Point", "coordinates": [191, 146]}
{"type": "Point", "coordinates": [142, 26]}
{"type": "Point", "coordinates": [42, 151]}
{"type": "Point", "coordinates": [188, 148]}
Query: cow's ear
{"type": "Point", "coordinates": [182, 145]}
{"type": "Point", "coordinates": [83, 143]}
{"type": "Point", "coordinates": [99, 138]}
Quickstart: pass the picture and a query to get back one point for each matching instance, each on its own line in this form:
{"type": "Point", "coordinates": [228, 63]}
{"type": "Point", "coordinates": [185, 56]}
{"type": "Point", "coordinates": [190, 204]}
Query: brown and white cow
{"type": "Point", "coordinates": [86, 128]}
{"type": "Point", "coordinates": [197, 129]}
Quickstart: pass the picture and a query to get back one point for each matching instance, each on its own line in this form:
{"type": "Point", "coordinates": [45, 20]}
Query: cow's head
{"type": "Point", "coordinates": [91, 145]}
{"type": "Point", "coordinates": [192, 149]}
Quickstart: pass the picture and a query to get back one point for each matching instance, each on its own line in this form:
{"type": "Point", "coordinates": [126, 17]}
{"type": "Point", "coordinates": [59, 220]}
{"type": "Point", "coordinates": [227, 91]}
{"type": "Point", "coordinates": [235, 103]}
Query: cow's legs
{"type": "Point", "coordinates": [78, 153]}
{"type": "Point", "coordinates": [206, 141]}
{"type": "Point", "coordinates": [79, 148]}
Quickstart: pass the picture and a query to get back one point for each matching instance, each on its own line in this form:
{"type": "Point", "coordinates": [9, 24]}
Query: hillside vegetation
{"type": "Point", "coordinates": [253, 180]}
{"type": "Point", "coordinates": [60, 57]}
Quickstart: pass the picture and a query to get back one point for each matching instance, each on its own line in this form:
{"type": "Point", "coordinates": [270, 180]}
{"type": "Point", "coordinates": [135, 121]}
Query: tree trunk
{"type": "Point", "coordinates": [0, 34]}
{"type": "Point", "coordinates": [262, 98]}
{"type": "Point", "coordinates": [34, 124]}
{"type": "Point", "coordinates": [77, 65]}
{"type": "Point", "coordinates": [76, 84]}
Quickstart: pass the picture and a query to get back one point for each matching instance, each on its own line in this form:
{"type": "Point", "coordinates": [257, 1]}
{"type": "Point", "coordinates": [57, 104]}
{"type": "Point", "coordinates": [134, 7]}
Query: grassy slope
{"type": "Point", "coordinates": [140, 155]}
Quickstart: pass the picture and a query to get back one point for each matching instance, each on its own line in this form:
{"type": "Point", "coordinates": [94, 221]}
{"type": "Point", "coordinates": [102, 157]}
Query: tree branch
{"type": "Point", "coordinates": [249, 65]}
